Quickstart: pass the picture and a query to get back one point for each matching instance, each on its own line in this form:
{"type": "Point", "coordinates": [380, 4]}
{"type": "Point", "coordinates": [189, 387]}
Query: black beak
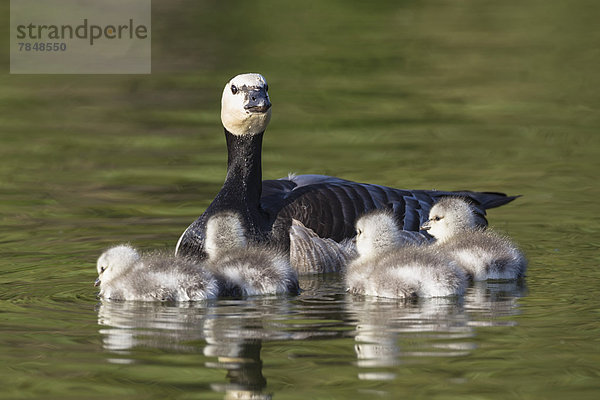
{"type": "Point", "coordinates": [97, 282]}
{"type": "Point", "coordinates": [257, 100]}
{"type": "Point", "coordinates": [426, 226]}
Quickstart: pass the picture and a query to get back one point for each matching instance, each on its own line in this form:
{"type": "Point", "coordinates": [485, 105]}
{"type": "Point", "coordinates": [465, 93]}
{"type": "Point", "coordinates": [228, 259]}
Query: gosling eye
{"type": "Point", "coordinates": [437, 218]}
{"type": "Point", "coordinates": [234, 89]}
{"type": "Point", "coordinates": [358, 232]}
{"type": "Point", "coordinates": [102, 269]}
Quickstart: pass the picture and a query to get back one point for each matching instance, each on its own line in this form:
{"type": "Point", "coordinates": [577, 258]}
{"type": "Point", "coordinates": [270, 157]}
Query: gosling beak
{"type": "Point", "coordinates": [97, 282]}
{"type": "Point", "coordinates": [257, 101]}
{"type": "Point", "coordinates": [426, 226]}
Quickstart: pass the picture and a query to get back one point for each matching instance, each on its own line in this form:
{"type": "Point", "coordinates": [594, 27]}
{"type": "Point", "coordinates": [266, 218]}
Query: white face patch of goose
{"type": "Point", "coordinates": [245, 105]}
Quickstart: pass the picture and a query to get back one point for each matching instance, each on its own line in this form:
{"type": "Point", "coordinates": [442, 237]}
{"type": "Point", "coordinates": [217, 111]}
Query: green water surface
{"type": "Point", "coordinates": [444, 94]}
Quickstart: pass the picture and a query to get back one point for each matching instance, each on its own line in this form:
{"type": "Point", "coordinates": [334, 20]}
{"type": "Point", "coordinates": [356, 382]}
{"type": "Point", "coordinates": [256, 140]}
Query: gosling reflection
{"type": "Point", "coordinates": [390, 332]}
{"type": "Point", "coordinates": [486, 301]}
{"type": "Point", "coordinates": [230, 335]}
{"type": "Point", "coordinates": [128, 325]}
{"type": "Point", "coordinates": [227, 334]}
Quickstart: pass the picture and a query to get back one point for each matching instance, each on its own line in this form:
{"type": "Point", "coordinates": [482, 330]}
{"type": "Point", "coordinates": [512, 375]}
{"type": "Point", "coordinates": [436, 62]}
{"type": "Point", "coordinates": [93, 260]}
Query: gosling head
{"type": "Point", "coordinates": [114, 261]}
{"type": "Point", "coordinates": [224, 231]}
{"type": "Point", "coordinates": [376, 232]}
{"type": "Point", "coordinates": [449, 216]}
{"type": "Point", "coordinates": [245, 105]}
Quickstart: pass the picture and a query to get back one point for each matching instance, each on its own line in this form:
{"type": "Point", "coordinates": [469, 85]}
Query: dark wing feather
{"type": "Point", "coordinates": [330, 206]}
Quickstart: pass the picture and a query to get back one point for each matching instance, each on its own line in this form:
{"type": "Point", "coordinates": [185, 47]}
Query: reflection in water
{"type": "Point", "coordinates": [131, 324]}
{"type": "Point", "coordinates": [488, 300]}
{"type": "Point", "coordinates": [386, 332]}
{"type": "Point", "coordinates": [389, 332]}
{"type": "Point", "coordinates": [234, 341]}
{"type": "Point", "coordinates": [230, 338]}
{"type": "Point", "coordinates": [241, 359]}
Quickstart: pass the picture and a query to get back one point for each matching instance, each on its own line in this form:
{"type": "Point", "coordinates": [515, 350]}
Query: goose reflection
{"type": "Point", "coordinates": [236, 347]}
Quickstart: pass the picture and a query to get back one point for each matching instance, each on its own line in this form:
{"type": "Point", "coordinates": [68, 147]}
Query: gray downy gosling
{"type": "Point", "coordinates": [246, 269]}
{"type": "Point", "coordinates": [482, 253]}
{"type": "Point", "coordinates": [125, 274]}
{"type": "Point", "coordinates": [388, 266]}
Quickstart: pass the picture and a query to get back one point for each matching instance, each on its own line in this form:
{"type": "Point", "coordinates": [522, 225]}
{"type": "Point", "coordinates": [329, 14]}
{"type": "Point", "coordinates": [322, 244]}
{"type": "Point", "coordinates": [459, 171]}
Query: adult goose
{"type": "Point", "coordinates": [327, 205]}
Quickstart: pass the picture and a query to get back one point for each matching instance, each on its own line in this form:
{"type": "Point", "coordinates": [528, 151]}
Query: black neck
{"type": "Point", "coordinates": [243, 183]}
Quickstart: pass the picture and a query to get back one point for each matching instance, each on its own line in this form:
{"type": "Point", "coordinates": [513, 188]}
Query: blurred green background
{"type": "Point", "coordinates": [442, 94]}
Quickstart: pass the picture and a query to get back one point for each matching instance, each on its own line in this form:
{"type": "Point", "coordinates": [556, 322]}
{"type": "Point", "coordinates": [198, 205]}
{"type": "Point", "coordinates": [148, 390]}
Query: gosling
{"type": "Point", "coordinates": [388, 266]}
{"type": "Point", "coordinates": [246, 269]}
{"type": "Point", "coordinates": [124, 274]}
{"type": "Point", "coordinates": [483, 254]}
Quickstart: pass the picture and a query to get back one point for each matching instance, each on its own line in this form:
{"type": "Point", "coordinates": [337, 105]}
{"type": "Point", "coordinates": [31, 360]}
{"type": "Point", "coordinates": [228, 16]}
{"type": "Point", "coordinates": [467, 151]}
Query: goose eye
{"type": "Point", "coordinates": [234, 89]}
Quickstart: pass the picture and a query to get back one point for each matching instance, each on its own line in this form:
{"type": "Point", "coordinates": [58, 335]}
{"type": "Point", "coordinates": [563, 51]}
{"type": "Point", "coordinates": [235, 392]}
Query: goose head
{"type": "Point", "coordinates": [114, 261]}
{"type": "Point", "coordinates": [448, 217]}
{"type": "Point", "coordinates": [224, 232]}
{"type": "Point", "coordinates": [376, 232]}
{"type": "Point", "coordinates": [245, 105]}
